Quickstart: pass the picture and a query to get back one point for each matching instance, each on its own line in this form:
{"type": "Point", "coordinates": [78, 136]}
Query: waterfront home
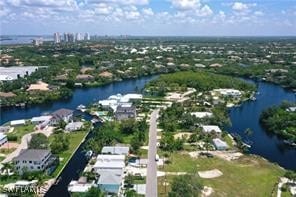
{"type": "Point", "coordinates": [65, 115]}
{"type": "Point", "coordinates": [106, 74]}
{"type": "Point", "coordinates": [110, 182]}
{"type": "Point", "coordinates": [291, 109]}
{"type": "Point", "coordinates": [3, 139]}
{"type": "Point", "coordinates": [124, 112]}
{"type": "Point", "coordinates": [114, 101]}
{"type": "Point", "coordinates": [17, 122]}
{"type": "Point", "coordinates": [109, 163]}
{"type": "Point", "coordinates": [39, 86]}
{"type": "Point", "coordinates": [220, 144]}
{"type": "Point", "coordinates": [80, 186]}
{"type": "Point", "coordinates": [228, 92]}
{"type": "Point", "coordinates": [115, 150]}
{"type": "Point", "coordinates": [85, 77]}
{"type": "Point", "coordinates": [74, 126]}
{"type": "Point", "coordinates": [201, 114]}
{"type": "Point", "coordinates": [33, 160]}
{"type": "Point", "coordinates": [40, 119]}
{"type": "Point", "coordinates": [211, 128]}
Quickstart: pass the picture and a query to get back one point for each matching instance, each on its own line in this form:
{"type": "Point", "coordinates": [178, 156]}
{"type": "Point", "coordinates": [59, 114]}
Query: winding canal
{"type": "Point", "coordinates": [245, 116]}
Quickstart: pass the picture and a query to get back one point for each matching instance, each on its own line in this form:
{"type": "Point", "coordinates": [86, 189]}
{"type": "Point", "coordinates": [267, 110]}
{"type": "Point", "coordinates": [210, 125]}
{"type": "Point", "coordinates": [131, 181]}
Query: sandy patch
{"type": "Point", "coordinates": [226, 155]}
{"type": "Point", "coordinates": [210, 174]}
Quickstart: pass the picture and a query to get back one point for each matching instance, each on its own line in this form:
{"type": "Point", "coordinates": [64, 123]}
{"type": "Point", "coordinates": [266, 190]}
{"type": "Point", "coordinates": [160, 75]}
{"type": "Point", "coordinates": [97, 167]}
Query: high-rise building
{"type": "Point", "coordinates": [71, 37]}
{"type": "Point", "coordinates": [57, 38]}
{"type": "Point", "coordinates": [66, 37]}
{"type": "Point", "coordinates": [86, 36]}
{"type": "Point", "coordinates": [38, 41]}
{"type": "Point", "coordinates": [79, 37]}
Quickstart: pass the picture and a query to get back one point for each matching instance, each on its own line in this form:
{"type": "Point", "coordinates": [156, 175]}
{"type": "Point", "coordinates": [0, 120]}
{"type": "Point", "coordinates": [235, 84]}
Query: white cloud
{"type": "Point", "coordinates": [120, 2]}
{"type": "Point", "coordinates": [148, 11]}
{"type": "Point", "coordinates": [103, 9]}
{"type": "Point", "coordinates": [204, 11]}
{"type": "Point", "coordinates": [238, 6]}
{"type": "Point", "coordinates": [258, 13]}
{"type": "Point", "coordinates": [132, 15]}
{"type": "Point", "coordinates": [185, 4]}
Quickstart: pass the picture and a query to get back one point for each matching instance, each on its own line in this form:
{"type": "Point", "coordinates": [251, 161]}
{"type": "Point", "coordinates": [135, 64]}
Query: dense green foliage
{"type": "Point", "coordinates": [168, 143]}
{"type": "Point", "coordinates": [185, 186]}
{"type": "Point", "coordinates": [38, 141]}
{"type": "Point", "coordinates": [126, 131]}
{"type": "Point", "coordinates": [176, 118]}
{"type": "Point", "coordinates": [59, 143]}
{"type": "Point", "coordinates": [280, 120]}
{"type": "Point", "coordinates": [201, 81]}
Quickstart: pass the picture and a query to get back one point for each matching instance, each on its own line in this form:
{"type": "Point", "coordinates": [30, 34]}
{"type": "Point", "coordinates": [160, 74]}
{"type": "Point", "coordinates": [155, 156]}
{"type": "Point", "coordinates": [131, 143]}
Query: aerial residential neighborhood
{"type": "Point", "coordinates": [132, 98]}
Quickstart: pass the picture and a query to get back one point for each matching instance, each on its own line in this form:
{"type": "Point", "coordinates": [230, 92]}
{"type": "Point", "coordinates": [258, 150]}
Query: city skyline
{"type": "Point", "coordinates": [150, 17]}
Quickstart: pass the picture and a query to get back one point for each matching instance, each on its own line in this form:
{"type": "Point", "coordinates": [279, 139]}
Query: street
{"type": "Point", "coordinates": [151, 179]}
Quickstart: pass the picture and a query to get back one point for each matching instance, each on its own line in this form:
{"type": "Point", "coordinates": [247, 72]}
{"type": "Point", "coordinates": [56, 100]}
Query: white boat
{"type": "Point", "coordinates": [81, 108]}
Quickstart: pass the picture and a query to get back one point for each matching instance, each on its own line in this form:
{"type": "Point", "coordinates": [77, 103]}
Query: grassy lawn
{"type": "Point", "coordinates": [20, 131]}
{"type": "Point", "coordinates": [248, 176]}
{"type": "Point", "coordinates": [75, 139]}
{"type": "Point", "coordinates": [7, 151]}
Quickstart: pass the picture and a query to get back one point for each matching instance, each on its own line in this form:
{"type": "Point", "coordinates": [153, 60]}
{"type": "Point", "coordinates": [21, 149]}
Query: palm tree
{"type": "Point", "coordinates": [6, 167]}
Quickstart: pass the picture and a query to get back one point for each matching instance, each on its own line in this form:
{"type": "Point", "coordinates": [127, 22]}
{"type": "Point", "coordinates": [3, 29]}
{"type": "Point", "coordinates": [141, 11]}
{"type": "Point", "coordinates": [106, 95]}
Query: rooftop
{"type": "Point", "coordinates": [32, 154]}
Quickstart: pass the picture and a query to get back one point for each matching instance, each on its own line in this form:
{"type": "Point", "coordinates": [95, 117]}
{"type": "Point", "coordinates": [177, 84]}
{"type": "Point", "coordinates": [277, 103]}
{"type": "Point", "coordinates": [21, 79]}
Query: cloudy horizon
{"type": "Point", "coordinates": [150, 17]}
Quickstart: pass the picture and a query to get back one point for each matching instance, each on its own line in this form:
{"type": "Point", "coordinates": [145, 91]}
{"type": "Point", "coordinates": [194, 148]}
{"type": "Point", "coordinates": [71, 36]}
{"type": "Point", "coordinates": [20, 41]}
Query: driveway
{"type": "Point", "coordinates": [24, 143]}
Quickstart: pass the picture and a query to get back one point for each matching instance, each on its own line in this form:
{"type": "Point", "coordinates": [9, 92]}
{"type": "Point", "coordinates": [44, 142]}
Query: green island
{"type": "Point", "coordinates": [281, 120]}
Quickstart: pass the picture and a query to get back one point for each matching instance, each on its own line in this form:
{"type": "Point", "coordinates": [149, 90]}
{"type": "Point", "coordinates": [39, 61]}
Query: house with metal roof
{"type": "Point", "coordinates": [115, 150]}
{"type": "Point", "coordinates": [110, 182]}
{"type": "Point", "coordinates": [124, 112]}
{"type": "Point", "coordinates": [73, 126]}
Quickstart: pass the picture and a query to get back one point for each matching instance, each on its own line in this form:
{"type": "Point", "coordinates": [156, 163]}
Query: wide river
{"type": "Point", "coordinates": [245, 116]}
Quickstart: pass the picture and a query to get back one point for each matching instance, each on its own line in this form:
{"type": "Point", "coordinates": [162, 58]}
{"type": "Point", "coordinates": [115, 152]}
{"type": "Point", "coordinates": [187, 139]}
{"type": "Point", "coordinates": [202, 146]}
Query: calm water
{"type": "Point", "coordinates": [264, 144]}
{"type": "Point", "coordinates": [16, 39]}
{"type": "Point", "coordinates": [245, 116]}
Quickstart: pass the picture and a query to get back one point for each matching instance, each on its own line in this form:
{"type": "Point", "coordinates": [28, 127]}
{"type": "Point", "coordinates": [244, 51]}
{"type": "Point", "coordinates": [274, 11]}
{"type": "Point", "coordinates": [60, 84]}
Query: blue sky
{"type": "Point", "coordinates": [150, 17]}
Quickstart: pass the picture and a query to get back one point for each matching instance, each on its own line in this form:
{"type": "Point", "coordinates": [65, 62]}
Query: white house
{"type": "Point", "coordinates": [220, 144]}
{"type": "Point", "coordinates": [109, 163]}
{"type": "Point", "coordinates": [17, 122]}
{"type": "Point", "coordinates": [201, 114]}
{"type": "Point", "coordinates": [74, 126]}
{"type": "Point", "coordinates": [115, 150]}
{"type": "Point", "coordinates": [80, 186]}
{"type": "Point", "coordinates": [3, 139]}
{"type": "Point", "coordinates": [40, 119]}
{"type": "Point", "coordinates": [211, 128]}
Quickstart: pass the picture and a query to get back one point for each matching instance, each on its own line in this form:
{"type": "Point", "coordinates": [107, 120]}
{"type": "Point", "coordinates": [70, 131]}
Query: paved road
{"type": "Point", "coordinates": [151, 179]}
